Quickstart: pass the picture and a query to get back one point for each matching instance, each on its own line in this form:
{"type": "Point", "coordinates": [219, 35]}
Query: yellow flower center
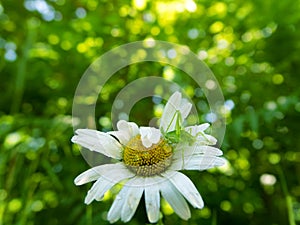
{"type": "Point", "coordinates": [147, 161]}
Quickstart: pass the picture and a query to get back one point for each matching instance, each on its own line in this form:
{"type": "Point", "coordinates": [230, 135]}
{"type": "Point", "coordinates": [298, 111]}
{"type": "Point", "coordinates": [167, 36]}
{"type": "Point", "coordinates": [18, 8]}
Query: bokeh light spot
{"type": "Point", "coordinates": [105, 122]}
{"type": "Point", "coordinates": [267, 179]}
{"type": "Point", "coordinates": [218, 8]}
{"type": "Point", "coordinates": [248, 208]}
{"type": "Point", "coordinates": [190, 5]}
{"type": "Point", "coordinates": [210, 84]}
{"type": "Point", "coordinates": [211, 117]}
{"type": "Point", "coordinates": [66, 45]}
{"type": "Point", "coordinates": [155, 31]}
{"type": "Point", "coordinates": [12, 139]}
{"type": "Point", "coordinates": [193, 33]}
{"type": "Point", "coordinates": [53, 39]}
{"type": "Point", "coordinates": [37, 206]}
{"type": "Point", "coordinates": [15, 205]}
{"type": "Point", "coordinates": [168, 73]}
{"type": "Point", "coordinates": [277, 79]}
{"type": "Point", "coordinates": [80, 12]}
{"type": "Point", "coordinates": [225, 205]}
{"type": "Point", "coordinates": [205, 213]}
{"type": "Point", "coordinates": [202, 55]}
{"type": "Point", "coordinates": [297, 107]}
{"type": "Point", "coordinates": [270, 105]}
{"type": "Point", "coordinates": [216, 27]}
{"type": "Point", "coordinates": [274, 158]}
{"type": "Point", "coordinates": [139, 4]}
{"type": "Point", "coordinates": [258, 144]}
{"type": "Point", "coordinates": [10, 55]}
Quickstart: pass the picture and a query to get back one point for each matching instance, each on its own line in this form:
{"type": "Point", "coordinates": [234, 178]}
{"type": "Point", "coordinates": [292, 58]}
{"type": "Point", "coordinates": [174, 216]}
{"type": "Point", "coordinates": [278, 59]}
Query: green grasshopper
{"type": "Point", "coordinates": [180, 135]}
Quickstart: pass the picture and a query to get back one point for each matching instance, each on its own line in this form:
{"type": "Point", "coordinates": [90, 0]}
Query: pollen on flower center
{"type": "Point", "coordinates": [147, 161]}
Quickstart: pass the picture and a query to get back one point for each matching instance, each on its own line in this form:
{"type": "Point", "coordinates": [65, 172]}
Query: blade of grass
{"type": "Point", "coordinates": [288, 198]}
{"type": "Point", "coordinates": [22, 67]}
{"type": "Point", "coordinates": [214, 217]}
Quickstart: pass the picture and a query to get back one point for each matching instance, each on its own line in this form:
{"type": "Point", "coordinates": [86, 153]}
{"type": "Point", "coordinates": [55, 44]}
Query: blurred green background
{"type": "Point", "coordinates": [253, 48]}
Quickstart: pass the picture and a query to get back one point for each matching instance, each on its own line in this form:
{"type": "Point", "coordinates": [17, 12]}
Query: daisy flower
{"type": "Point", "coordinates": [148, 161]}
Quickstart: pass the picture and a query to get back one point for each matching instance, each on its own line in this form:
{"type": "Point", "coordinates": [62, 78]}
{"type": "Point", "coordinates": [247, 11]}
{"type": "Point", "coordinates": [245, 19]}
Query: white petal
{"type": "Point", "coordinates": [206, 139]}
{"type": "Point", "coordinates": [169, 117]}
{"type": "Point", "coordinates": [207, 150]}
{"type": "Point", "coordinates": [188, 151]}
{"type": "Point", "coordinates": [126, 202]}
{"type": "Point", "coordinates": [175, 199]}
{"type": "Point", "coordinates": [126, 131]}
{"type": "Point", "coordinates": [204, 162]}
{"type": "Point", "coordinates": [185, 108]}
{"type": "Point", "coordinates": [155, 135]}
{"type": "Point", "coordinates": [87, 176]}
{"type": "Point", "coordinates": [98, 190]}
{"type": "Point", "coordinates": [146, 142]}
{"type": "Point", "coordinates": [186, 187]}
{"type": "Point", "coordinates": [153, 181]}
{"type": "Point", "coordinates": [122, 136]}
{"type": "Point", "coordinates": [119, 171]}
{"type": "Point", "coordinates": [149, 136]}
{"type": "Point", "coordinates": [114, 213]}
{"type": "Point", "coordinates": [96, 172]}
{"type": "Point", "coordinates": [93, 174]}
{"type": "Point", "coordinates": [98, 142]}
{"type": "Point", "coordinates": [104, 183]}
{"type": "Point", "coordinates": [193, 130]}
{"type": "Point", "coordinates": [133, 197]}
{"type": "Point", "coordinates": [167, 122]}
{"type": "Point", "coordinates": [129, 127]}
{"type": "Point", "coordinates": [198, 162]}
{"type": "Point", "coordinates": [198, 132]}
{"type": "Point", "coordinates": [152, 201]}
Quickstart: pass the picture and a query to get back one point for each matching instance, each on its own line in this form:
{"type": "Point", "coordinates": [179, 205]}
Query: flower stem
{"type": "Point", "coordinates": [214, 217]}
{"type": "Point", "coordinates": [288, 198]}
{"type": "Point", "coordinates": [89, 215]}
